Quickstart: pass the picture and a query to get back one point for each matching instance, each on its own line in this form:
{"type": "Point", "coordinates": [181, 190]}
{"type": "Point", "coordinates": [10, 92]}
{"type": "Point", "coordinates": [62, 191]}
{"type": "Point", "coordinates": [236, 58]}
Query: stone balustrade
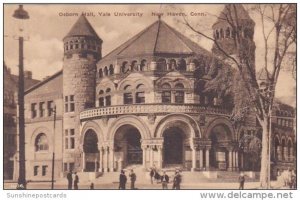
{"type": "Point", "coordinates": [151, 109]}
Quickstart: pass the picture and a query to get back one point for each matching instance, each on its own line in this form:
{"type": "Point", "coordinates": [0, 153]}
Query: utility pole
{"type": "Point", "coordinates": [21, 15]}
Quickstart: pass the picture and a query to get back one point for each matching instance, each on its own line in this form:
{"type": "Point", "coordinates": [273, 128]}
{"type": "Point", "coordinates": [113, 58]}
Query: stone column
{"type": "Point", "coordinates": [237, 160]}
{"type": "Point", "coordinates": [159, 157]}
{"type": "Point", "coordinates": [144, 156]}
{"type": "Point", "coordinates": [242, 161]}
{"type": "Point", "coordinates": [151, 156]}
{"type": "Point", "coordinates": [106, 165]}
{"type": "Point", "coordinates": [207, 158]}
{"type": "Point", "coordinates": [111, 159]}
{"type": "Point", "coordinates": [233, 161]}
{"type": "Point", "coordinates": [229, 160]}
{"type": "Point", "coordinates": [194, 159]}
{"type": "Point", "coordinates": [100, 159]}
{"type": "Point", "coordinates": [200, 158]}
{"type": "Point", "coordinates": [83, 161]}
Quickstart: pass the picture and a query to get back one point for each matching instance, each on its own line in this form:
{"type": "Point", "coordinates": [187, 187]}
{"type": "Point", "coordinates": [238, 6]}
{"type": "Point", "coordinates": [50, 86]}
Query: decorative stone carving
{"type": "Point", "coordinates": [151, 118]}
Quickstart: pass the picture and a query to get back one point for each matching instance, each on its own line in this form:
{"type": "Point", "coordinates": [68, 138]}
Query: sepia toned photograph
{"type": "Point", "coordinates": [149, 96]}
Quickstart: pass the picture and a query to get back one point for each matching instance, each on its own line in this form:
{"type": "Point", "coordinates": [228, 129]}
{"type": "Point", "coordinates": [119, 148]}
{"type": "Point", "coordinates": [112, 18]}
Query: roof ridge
{"type": "Point", "coordinates": [135, 37]}
{"type": "Point", "coordinates": [158, 27]}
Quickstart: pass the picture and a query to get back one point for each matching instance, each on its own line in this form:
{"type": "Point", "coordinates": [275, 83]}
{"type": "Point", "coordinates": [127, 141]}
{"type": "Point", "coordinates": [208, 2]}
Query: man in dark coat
{"type": "Point", "coordinates": [241, 181]}
{"type": "Point", "coordinates": [152, 173]}
{"type": "Point", "coordinates": [122, 180]}
{"type": "Point", "coordinates": [132, 176]}
{"type": "Point", "coordinates": [164, 180]}
{"type": "Point", "coordinates": [177, 181]}
{"type": "Point", "coordinates": [76, 181]}
{"type": "Point", "coordinates": [70, 180]}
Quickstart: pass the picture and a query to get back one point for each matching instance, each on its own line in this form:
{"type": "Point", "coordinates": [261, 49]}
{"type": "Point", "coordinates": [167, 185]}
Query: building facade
{"type": "Point", "coordinates": [142, 104]}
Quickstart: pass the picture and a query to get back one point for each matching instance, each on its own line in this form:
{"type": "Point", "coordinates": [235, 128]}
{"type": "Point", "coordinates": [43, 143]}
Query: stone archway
{"type": "Point", "coordinates": [127, 146]}
{"type": "Point", "coordinates": [173, 146]}
{"type": "Point", "coordinates": [220, 157]}
{"type": "Point", "coordinates": [90, 151]}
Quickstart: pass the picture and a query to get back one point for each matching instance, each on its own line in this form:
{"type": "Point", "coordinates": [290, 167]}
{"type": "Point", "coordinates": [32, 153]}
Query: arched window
{"type": "Point", "coordinates": [100, 73]}
{"type": "Point", "coordinates": [101, 98]}
{"type": "Point", "coordinates": [105, 71]}
{"type": "Point", "coordinates": [108, 97]}
{"type": "Point", "coordinates": [227, 34]}
{"type": "Point", "coordinates": [289, 150]}
{"type": "Point", "coordinates": [161, 64]}
{"type": "Point", "coordinates": [140, 94]}
{"type": "Point", "coordinates": [166, 93]}
{"type": "Point", "coordinates": [182, 65]}
{"type": "Point", "coordinates": [221, 33]}
{"type": "Point", "coordinates": [128, 98]}
{"type": "Point", "coordinates": [111, 69]}
{"type": "Point", "coordinates": [41, 142]}
{"type": "Point", "coordinates": [143, 65]}
{"type": "Point", "coordinates": [173, 64]}
{"type": "Point", "coordinates": [217, 34]}
{"type": "Point", "coordinates": [283, 151]}
{"type": "Point", "coordinates": [124, 68]}
{"type": "Point", "coordinates": [277, 148]}
{"type": "Point", "coordinates": [179, 93]}
{"type": "Point", "coordinates": [134, 66]}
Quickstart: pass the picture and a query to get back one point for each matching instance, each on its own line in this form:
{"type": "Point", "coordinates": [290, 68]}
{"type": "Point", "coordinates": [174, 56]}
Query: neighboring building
{"type": "Point", "coordinates": [142, 104]}
{"type": "Point", "coordinates": [10, 118]}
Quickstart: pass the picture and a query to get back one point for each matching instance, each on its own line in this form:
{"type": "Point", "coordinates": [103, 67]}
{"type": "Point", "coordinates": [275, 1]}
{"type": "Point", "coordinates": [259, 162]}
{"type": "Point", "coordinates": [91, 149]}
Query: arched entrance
{"type": "Point", "coordinates": [91, 151]}
{"type": "Point", "coordinates": [220, 136]}
{"type": "Point", "coordinates": [173, 146]}
{"type": "Point", "coordinates": [128, 149]}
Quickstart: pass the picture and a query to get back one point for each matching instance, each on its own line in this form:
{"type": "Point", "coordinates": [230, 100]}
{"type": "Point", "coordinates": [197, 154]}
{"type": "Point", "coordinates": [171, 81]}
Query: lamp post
{"type": "Point", "coordinates": [20, 14]}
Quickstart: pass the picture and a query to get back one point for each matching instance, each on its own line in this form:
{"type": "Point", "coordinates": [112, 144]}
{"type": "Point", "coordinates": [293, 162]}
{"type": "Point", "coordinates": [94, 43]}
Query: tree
{"type": "Point", "coordinates": [278, 24]}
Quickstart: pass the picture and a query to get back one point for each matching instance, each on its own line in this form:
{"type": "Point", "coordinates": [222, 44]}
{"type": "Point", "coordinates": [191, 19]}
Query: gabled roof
{"type": "Point", "coordinates": [82, 27]}
{"type": "Point", "coordinates": [158, 38]}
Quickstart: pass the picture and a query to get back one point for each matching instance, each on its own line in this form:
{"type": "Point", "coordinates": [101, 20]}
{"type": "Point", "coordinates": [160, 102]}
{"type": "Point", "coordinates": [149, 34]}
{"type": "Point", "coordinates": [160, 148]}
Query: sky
{"type": "Point", "coordinates": [43, 51]}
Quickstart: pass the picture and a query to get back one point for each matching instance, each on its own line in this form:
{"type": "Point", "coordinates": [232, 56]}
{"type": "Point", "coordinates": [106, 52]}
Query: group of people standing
{"type": "Point", "coordinates": [123, 180]}
{"type": "Point", "coordinates": [164, 179]}
{"type": "Point", "coordinates": [70, 177]}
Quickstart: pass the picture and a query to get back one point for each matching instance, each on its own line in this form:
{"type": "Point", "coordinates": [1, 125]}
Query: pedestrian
{"type": "Point", "coordinates": [176, 180]}
{"type": "Point", "coordinates": [241, 181]}
{"type": "Point", "coordinates": [122, 180]}
{"type": "Point", "coordinates": [156, 176]}
{"type": "Point", "coordinates": [132, 179]}
{"type": "Point", "coordinates": [92, 186]}
{"type": "Point", "coordinates": [70, 180]}
{"type": "Point", "coordinates": [164, 181]}
{"type": "Point", "coordinates": [76, 181]}
{"type": "Point", "coordinates": [152, 174]}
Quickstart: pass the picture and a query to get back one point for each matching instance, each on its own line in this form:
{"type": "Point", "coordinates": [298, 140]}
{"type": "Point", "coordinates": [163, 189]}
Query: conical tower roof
{"type": "Point", "coordinates": [82, 27]}
{"type": "Point", "coordinates": [231, 12]}
{"type": "Point", "coordinates": [158, 38]}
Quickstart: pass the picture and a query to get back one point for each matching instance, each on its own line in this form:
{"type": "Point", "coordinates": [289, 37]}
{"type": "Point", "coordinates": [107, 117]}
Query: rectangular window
{"type": "Point", "coordinates": [72, 103]}
{"type": "Point", "coordinates": [50, 108]}
{"type": "Point", "coordinates": [44, 170]}
{"type": "Point", "coordinates": [42, 109]}
{"type": "Point", "coordinates": [71, 166]}
{"type": "Point", "coordinates": [108, 100]}
{"type": "Point", "coordinates": [66, 104]}
{"type": "Point", "coordinates": [66, 167]}
{"type": "Point", "coordinates": [166, 97]}
{"type": "Point", "coordinates": [66, 139]}
{"type": "Point", "coordinates": [101, 101]}
{"type": "Point", "coordinates": [33, 110]}
{"type": "Point", "coordinates": [35, 170]}
{"type": "Point", "coordinates": [72, 139]}
{"type": "Point", "coordinates": [140, 97]}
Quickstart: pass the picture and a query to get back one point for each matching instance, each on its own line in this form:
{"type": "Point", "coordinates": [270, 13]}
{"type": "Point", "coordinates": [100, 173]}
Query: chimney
{"type": "Point", "coordinates": [28, 74]}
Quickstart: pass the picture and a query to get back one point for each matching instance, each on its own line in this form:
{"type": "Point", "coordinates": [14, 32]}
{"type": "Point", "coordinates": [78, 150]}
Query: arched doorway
{"type": "Point", "coordinates": [91, 151]}
{"type": "Point", "coordinates": [173, 146]}
{"type": "Point", "coordinates": [128, 149]}
{"type": "Point", "coordinates": [220, 140]}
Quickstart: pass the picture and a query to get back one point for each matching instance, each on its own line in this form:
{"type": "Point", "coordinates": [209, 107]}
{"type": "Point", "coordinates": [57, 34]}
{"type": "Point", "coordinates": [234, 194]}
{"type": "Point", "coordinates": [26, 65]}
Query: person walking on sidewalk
{"type": "Point", "coordinates": [70, 180]}
{"type": "Point", "coordinates": [122, 180]}
{"type": "Point", "coordinates": [76, 181]}
{"type": "Point", "coordinates": [164, 181]}
{"type": "Point", "coordinates": [241, 181]}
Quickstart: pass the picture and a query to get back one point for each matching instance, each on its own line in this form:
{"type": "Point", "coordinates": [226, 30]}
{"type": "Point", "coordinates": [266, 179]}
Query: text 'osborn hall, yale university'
{"type": "Point", "coordinates": [143, 104]}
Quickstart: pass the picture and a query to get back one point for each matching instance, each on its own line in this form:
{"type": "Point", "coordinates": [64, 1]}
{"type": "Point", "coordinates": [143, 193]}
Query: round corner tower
{"type": "Point", "coordinates": [82, 51]}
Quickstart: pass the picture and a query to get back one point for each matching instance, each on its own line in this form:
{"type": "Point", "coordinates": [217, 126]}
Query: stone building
{"type": "Point", "coordinates": [140, 105]}
{"type": "Point", "coordinates": [10, 118]}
